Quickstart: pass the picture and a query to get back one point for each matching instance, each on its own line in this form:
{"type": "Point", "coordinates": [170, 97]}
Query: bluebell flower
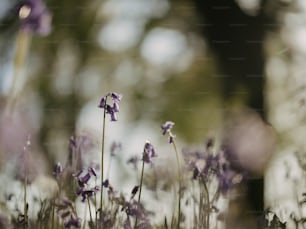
{"type": "Point", "coordinates": [111, 112]}
{"type": "Point", "coordinates": [105, 183]}
{"type": "Point", "coordinates": [113, 108]}
{"type": "Point", "coordinates": [167, 126]}
{"type": "Point", "coordinates": [116, 97]}
{"type": "Point", "coordinates": [83, 180]}
{"type": "Point", "coordinates": [102, 103]}
{"type": "Point", "coordinates": [226, 181]}
{"type": "Point", "coordinates": [134, 191]}
{"type": "Point", "coordinates": [171, 138]}
{"type": "Point", "coordinates": [148, 152]}
{"type": "Point", "coordinates": [34, 17]}
{"type": "Point", "coordinates": [92, 171]}
{"type": "Point", "coordinates": [87, 193]}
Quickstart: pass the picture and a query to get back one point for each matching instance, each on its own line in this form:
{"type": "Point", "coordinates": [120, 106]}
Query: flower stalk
{"type": "Point", "coordinates": [112, 110]}
{"type": "Point", "coordinates": [89, 209]}
{"type": "Point", "coordinates": [147, 155]}
{"type": "Point", "coordinates": [166, 128]}
{"type": "Point", "coordinates": [25, 183]}
{"type": "Point", "coordinates": [102, 160]}
{"type": "Point", "coordinates": [180, 185]}
{"type": "Point", "coordinates": [140, 189]}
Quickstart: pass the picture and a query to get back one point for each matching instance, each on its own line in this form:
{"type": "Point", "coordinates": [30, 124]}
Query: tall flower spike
{"type": "Point", "coordinates": [34, 17]}
{"type": "Point", "coordinates": [166, 128]}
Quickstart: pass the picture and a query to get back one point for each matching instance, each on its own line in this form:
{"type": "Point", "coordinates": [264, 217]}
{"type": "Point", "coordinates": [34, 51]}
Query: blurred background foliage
{"type": "Point", "coordinates": [150, 51]}
{"type": "Point", "coordinates": [186, 61]}
{"type": "Point", "coordinates": [192, 62]}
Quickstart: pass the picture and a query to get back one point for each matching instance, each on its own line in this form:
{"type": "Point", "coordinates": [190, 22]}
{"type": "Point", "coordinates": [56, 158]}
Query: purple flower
{"type": "Point", "coordinates": [82, 181]}
{"type": "Point", "coordinates": [228, 179]}
{"type": "Point", "coordinates": [196, 173]}
{"type": "Point", "coordinates": [171, 138]}
{"type": "Point", "coordinates": [92, 171]}
{"type": "Point", "coordinates": [102, 102]}
{"type": "Point", "coordinates": [87, 193]}
{"type": "Point", "coordinates": [105, 183]}
{"type": "Point", "coordinates": [111, 112]}
{"type": "Point", "coordinates": [148, 152]}
{"type": "Point", "coordinates": [116, 97]}
{"type": "Point", "coordinates": [34, 17]}
{"type": "Point", "coordinates": [134, 191]}
{"type": "Point", "coordinates": [115, 147]}
{"type": "Point", "coordinates": [73, 222]}
{"type": "Point", "coordinates": [166, 127]}
{"type": "Point", "coordinates": [114, 107]}
{"type": "Point", "coordinates": [225, 182]}
{"type": "Point", "coordinates": [134, 209]}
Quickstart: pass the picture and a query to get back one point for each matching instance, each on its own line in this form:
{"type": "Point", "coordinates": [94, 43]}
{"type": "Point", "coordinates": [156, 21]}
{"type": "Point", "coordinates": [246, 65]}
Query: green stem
{"type": "Point", "coordinates": [140, 189]}
{"type": "Point", "coordinates": [207, 203]}
{"type": "Point", "coordinates": [202, 219]}
{"type": "Point", "coordinates": [89, 208]}
{"type": "Point", "coordinates": [180, 185]}
{"type": "Point", "coordinates": [53, 214]}
{"type": "Point", "coordinates": [22, 46]}
{"type": "Point", "coordinates": [84, 223]}
{"type": "Point", "coordinates": [102, 162]}
{"type": "Point", "coordinates": [25, 201]}
{"type": "Point", "coordinates": [96, 218]}
{"type": "Point", "coordinates": [25, 182]}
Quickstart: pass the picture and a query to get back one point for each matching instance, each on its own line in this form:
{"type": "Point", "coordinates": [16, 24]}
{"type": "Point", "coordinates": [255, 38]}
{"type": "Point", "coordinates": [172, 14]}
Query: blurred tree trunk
{"type": "Point", "coordinates": [237, 40]}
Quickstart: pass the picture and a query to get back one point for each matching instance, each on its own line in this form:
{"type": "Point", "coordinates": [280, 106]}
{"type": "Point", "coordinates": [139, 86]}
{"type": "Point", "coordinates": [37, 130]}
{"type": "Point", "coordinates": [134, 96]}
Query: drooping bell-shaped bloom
{"type": "Point", "coordinates": [111, 109]}
{"type": "Point", "coordinates": [34, 17]}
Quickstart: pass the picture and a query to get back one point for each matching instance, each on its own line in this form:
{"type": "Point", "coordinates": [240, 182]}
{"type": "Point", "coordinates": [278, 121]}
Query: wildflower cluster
{"type": "Point", "coordinates": [67, 213]}
{"type": "Point", "coordinates": [216, 177]}
{"type": "Point", "coordinates": [77, 182]}
{"type": "Point", "coordinates": [84, 189]}
{"type": "Point", "coordinates": [121, 204]}
{"type": "Point", "coordinates": [209, 164]}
